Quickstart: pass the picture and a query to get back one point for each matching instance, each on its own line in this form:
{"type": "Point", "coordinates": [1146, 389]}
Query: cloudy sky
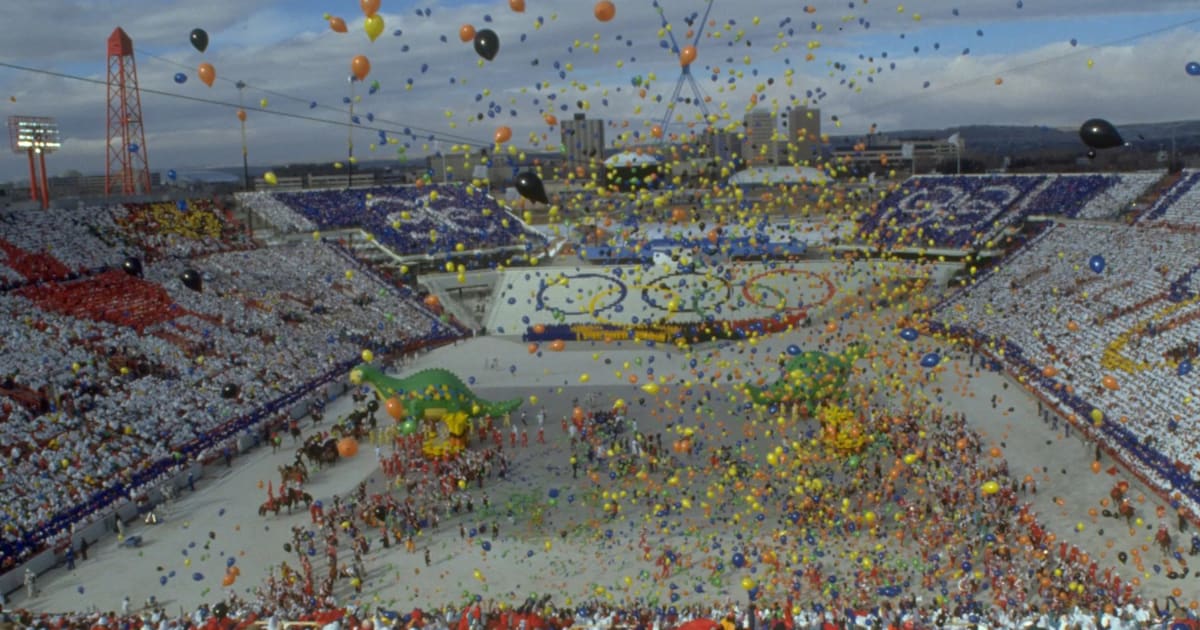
{"type": "Point", "coordinates": [918, 64]}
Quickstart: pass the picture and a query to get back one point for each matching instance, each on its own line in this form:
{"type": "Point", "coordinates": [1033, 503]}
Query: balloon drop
{"type": "Point", "coordinates": [199, 39]}
{"type": "Point", "coordinates": [529, 185]}
{"type": "Point", "coordinates": [487, 43]}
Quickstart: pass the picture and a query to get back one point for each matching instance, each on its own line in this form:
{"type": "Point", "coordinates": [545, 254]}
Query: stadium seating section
{"type": "Point", "coordinates": [1136, 322]}
{"type": "Point", "coordinates": [434, 219]}
{"type": "Point", "coordinates": [948, 211]}
{"type": "Point", "coordinates": [105, 376]}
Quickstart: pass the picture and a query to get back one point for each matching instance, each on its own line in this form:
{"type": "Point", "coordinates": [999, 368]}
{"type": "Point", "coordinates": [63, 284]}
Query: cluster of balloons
{"type": "Point", "coordinates": [206, 71]}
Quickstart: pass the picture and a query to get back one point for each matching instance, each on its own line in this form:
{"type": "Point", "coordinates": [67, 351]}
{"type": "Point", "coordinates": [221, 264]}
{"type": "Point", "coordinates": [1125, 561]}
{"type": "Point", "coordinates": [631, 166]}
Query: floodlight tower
{"type": "Point", "coordinates": [685, 74]}
{"type": "Point", "coordinates": [128, 165]}
{"type": "Point", "coordinates": [35, 136]}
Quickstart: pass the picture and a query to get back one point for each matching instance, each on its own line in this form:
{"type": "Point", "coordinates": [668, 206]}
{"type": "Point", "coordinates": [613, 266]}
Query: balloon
{"type": "Point", "coordinates": [687, 55]}
{"type": "Point", "coordinates": [466, 33]}
{"type": "Point", "coordinates": [991, 487]}
{"type": "Point", "coordinates": [171, 175]}
{"type": "Point", "coordinates": [487, 43]}
{"type": "Point", "coordinates": [337, 25]}
{"type": "Point", "coordinates": [199, 39]}
{"type": "Point", "coordinates": [231, 390]}
{"type": "Point", "coordinates": [347, 447]}
{"type": "Point", "coordinates": [374, 27]}
{"type": "Point", "coordinates": [1097, 264]}
{"type": "Point", "coordinates": [270, 178]}
{"type": "Point", "coordinates": [368, 356]}
{"type": "Point", "coordinates": [360, 67]}
{"type": "Point", "coordinates": [1185, 368]}
{"type": "Point", "coordinates": [530, 186]}
{"type": "Point", "coordinates": [604, 10]}
{"type": "Point", "coordinates": [394, 408]}
{"type": "Point", "coordinates": [180, 78]}
{"type": "Point", "coordinates": [909, 334]}
{"type": "Point", "coordinates": [369, 7]}
{"type": "Point", "coordinates": [503, 133]}
{"type": "Point", "coordinates": [192, 280]}
{"type": "Point", "coordinates": [197, 576]}
{"type": "Point", "coordinates": [739, 560]}
{"type": "Point", "coordinates": [241, 115]}
{"type": "Point", "coordinates": [1109, 382]}
{"type": "Point", "coordinates": [1100, 134]}
{"type": "Point", "coordinates": [132, 266]}
{"type": "Point", "coordinates": [207, 73]}
{"type": "Point", "coordinates": [1193, 68]}
{"type": "Point", "coordinates": [517, 5]}
{"type": "Point", "coordinates": [930, 360]}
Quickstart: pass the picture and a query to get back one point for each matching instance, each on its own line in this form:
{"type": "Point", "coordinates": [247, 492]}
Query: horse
{"type": "Point", "coordinates": [270, 505]}
{"type": "Point", "coordinates": [1163, 538]}
{"type": "Point", "coordinates": [295, 473]}
{"type": "Point", "coordinates": [321, 453]}
{"type": "Point", "coordinates": [294, 497]}
{"type": "Point", "coordinates": [1125, 510]}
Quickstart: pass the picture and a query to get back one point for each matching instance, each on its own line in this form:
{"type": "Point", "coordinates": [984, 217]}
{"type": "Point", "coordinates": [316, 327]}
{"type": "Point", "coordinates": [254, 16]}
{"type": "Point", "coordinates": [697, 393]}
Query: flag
{"type": "Point", "coordinates": [955, 139]}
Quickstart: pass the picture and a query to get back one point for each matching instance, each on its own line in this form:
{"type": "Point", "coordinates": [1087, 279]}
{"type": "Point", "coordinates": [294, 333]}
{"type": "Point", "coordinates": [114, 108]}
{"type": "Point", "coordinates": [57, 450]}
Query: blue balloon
{"type": "Point", "coordinates": [739, 560]}
{"type": "Point", "coordinates": [1193, 68]}
{"type": "Point", "coordinates": [133, 148]}
{"type": "Point", "coordinates": [793, 349]}
{"type": "Point", "coordinates": [171, 175]}
{"type": "Point", "coordinates": [230, 561]}
{"type": "Point", "coordinates": [180, 78]}
{"type": "Point", "coordinates": [197, 576]}
{"type": "Point", "coordinates": [1097, 263]}
{"type": "Point", "coordinates": [487, 545]}
{"type": "Point", "coordinates": [553, 493]}
{"type": "Point", "coordinates": [930, 360]}
{"type": "Point", "coordinates": [1185, 367]}
{"type": "Point", "coordinates": [909, 334]}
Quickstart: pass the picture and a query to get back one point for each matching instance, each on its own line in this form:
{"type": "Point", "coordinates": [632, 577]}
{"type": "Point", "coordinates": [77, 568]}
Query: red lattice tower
{"type": "Point", "coordinates": [127, 166]}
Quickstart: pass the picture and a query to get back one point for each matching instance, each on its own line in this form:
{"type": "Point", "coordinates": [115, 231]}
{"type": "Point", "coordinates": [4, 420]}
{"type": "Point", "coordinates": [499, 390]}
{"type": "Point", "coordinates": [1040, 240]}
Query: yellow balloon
{"type": "Point", "coordinates": [374, 26]}
{"type": "Point", "coordinates": [991, 487]}
{"type": "Point", "coordinates": [650, 388]}
{"type": "Point", "coordinates": [368, 356]}
{"type": "Point", "coordinates": [270, 178]}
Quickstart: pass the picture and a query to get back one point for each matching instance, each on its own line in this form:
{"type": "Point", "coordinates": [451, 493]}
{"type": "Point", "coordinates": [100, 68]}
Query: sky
{"type": "Point", "coordinates": [924, 64]}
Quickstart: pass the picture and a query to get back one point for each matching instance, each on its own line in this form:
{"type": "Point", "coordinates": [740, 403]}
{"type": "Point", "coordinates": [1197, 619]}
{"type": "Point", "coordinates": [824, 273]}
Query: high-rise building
{"type": "Point", "coordinates": [583, 139]}
{"type": "Point", "coordinates": [757, 147]}
{"type": "Point", "coordinates": [723, 146]}
{"type": "Point", "coordinates": [803, 134]}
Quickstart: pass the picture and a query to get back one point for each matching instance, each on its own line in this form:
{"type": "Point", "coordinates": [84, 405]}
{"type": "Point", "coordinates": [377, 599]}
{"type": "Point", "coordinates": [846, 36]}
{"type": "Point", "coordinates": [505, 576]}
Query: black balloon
{"type": "Point", "coordinates": [199, 39]}
{"type": "Point", "coordinates": [191, 279]}
{"type": "Point", "coordinates": [230, 391]}
{"type": "Point", "coordinates": [530, 186]}
{"type": "Point", "coordinates": [1098, 133]}
{"type": "Point", "coordinates": [287, 547]}
{"type": "Point", "coordinates": [132, 266]}
{"type": "Point", "coordinates": [487, 43]}
{"type": "Point", "coordinates": [373, 405]}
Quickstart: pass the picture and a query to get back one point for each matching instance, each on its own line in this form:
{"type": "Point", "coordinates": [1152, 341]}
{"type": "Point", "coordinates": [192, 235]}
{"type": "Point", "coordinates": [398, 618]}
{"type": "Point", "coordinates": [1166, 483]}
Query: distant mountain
{"type": "Point", "coordinates": [1012, 140]}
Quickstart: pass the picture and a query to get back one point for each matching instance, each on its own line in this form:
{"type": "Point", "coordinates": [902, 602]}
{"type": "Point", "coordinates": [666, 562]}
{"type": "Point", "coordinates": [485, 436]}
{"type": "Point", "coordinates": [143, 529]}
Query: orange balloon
{"type": "Point", "coordinates": [539, 328]}
{"type": "Point", "coordinates": [347, 447]}
{"type": "Point", "coordinates": [605, 10]}
{"type": "Point", "coordinates": [558, 345]}
{"type": "Point", "coordinates": [503, 133]}
{"type": "Point", "coordinates": [687, 55]}
{"type": "Point", "coordinates": [533, 348]}
{"type": "Point", "coordinates": [395, 408]}
{"type": "Point", "coordinates": [551, 120]}
{"type": "Point", "coordinates": [517, 5]}
{"type": "Point", "coordinates": [207, 73]}
{"type": "Point", "coordinates": [466, 32]}
{"type": "Point", "coordinates": [337, 24]}
{"type": "Point", "coordinates": [1109, 382]}
{"type": "Point", "coordinates": [1049, 371]}
{"type": "Point", "coordinates": [1096, 467]}
{"type": "Point", "coordinates": [656, 131]}
{"type": "Point", "coordinates": [241, 115]}
{"type": "Point", "coordinates": [369, 7]}
{"type": "Point", "coordinates": [360, 66]}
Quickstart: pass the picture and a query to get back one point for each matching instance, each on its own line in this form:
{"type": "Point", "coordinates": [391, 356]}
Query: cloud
{"type": "Point", "coordinates": [285, 48]}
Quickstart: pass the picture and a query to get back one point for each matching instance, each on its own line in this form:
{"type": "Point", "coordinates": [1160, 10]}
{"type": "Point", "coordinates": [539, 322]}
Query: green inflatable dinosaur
{"type": "Point", "coordinates": [813, 378]}
{"type": "Point", "coordinates": [428, 394]}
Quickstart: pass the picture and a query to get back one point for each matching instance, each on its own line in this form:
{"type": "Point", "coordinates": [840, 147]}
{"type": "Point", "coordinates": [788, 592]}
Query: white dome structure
{"type": "Point", "coordinates": [768, 176]}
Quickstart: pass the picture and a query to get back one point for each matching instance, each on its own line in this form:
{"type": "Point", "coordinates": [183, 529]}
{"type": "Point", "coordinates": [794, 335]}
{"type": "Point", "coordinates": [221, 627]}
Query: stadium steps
{"type": "Point", "coordinates": [1149, 199]}
{"type": "Point", "coordinates": [36, 267]}
{"type": "Point", "coordinates": [113, 296]}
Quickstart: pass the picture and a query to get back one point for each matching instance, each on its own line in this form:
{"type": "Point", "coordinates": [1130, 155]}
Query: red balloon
{"type": "Point", "coordinates": [466, 32]}
{"type": "Point", "coordinates": [687, 55]}
{"type": "Point", "coordinates": [347, 447]}
{"type": "Point", "coordinates": [207, 73]}
{"type": "Point", "coordinates": [604, 10]}
{"type": "Point", "coordinates": [360, 66]}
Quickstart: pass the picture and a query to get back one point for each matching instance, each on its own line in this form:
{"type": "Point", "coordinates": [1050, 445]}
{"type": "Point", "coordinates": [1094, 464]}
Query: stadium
{"type": "Point", "coordinates": [497, 391]}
